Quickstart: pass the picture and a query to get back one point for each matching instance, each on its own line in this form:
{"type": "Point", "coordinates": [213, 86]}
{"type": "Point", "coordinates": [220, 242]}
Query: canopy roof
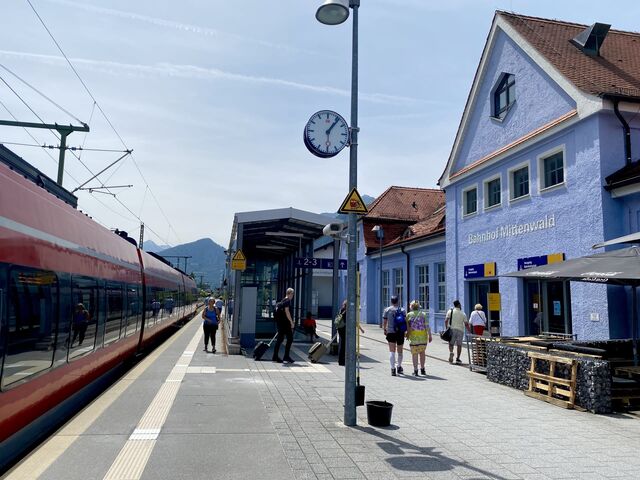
{"type": "Point", "coordinates": [278, 232]}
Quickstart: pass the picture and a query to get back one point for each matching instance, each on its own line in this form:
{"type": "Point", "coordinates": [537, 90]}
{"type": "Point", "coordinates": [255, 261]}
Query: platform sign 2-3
{"type": "Point", "coordinates": [313, 262]}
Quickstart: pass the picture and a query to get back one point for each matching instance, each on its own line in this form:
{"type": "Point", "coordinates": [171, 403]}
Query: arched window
{"type": "Point", "coordinates": [504, 95]}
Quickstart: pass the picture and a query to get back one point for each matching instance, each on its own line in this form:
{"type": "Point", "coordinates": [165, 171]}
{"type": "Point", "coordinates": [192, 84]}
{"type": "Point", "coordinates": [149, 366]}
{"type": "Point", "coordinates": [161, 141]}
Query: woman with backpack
{"type": "Point", "coordinates": [419, 335]}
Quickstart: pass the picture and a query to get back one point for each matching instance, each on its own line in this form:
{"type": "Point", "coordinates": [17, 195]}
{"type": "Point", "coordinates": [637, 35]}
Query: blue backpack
{"type": "Point", "coordinates": [400, 320]}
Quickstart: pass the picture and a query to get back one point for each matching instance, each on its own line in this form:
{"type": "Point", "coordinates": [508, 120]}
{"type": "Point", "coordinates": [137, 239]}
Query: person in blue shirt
{"type": "Point", "coordinates": [210, 325]}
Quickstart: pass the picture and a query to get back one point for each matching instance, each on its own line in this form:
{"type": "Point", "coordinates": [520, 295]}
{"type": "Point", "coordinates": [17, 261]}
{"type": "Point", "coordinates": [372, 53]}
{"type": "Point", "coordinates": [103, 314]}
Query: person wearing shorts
{"type": "Point", "coordinates": [458, 321]}
{"type": "Point", "coordinates": [419, 335]}
{"type": "Point", "coordinates": [394, 339]}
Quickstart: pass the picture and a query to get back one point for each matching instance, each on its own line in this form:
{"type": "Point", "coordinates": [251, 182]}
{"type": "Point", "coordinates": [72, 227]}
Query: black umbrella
{"type": "Point", "coordinates": [618, 267]}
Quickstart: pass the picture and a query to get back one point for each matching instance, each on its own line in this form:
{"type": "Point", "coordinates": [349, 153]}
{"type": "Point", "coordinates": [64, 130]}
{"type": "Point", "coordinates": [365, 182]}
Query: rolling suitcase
{"type": "Point", "coordinates": [318, 350]}
{"type": "Point", "coordinates": [262, 347]}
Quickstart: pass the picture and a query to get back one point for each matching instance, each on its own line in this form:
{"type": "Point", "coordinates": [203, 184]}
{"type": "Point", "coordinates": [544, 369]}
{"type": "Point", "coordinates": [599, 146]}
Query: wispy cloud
{"type": "Point", "coordinates": [201, 73]}
{"type": "Point", "coordinates": [182, 27]}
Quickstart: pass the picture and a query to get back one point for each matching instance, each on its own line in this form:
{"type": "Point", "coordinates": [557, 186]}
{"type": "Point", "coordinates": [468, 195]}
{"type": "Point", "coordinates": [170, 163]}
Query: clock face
{"type": "Point", "coordinates": [326, 134]}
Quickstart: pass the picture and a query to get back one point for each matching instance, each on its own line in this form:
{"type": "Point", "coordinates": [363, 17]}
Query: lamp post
{"type": "Point", "coordinates": [335, 12]}
{"type": "Point", "coordinates": [379, 231]}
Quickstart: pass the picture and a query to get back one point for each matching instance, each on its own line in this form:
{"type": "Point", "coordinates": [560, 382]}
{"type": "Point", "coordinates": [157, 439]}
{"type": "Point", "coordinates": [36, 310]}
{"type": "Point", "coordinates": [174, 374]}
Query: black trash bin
{"type": "Point", "coordinates": [379, 413]}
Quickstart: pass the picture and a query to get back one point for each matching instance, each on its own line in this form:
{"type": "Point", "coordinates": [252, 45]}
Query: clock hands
{"type": "Point", "coordinates": [332, 125]}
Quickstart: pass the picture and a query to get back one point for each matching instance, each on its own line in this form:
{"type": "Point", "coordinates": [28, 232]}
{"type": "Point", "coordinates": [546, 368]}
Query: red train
{"type": "Point", "coordinates": [76, 302]}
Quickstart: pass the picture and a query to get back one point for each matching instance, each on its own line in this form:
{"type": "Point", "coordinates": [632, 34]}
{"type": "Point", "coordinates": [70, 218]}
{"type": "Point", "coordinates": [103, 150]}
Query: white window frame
{"type": "Point", "coordinates": [464, 200]}
{"type": "Point", "coordinates": [541, 158]}
{"type": "Point", "coordinates": [442, 287]}
{"type": "Point", "coordinates": [510, 173]}
{"type": "Point", "coordinates": [398, 287]}
{"type": "Point", "coordinates": [386, 287]}
{"type": "Point", "coordinates": [423, 286]}
{"type": "Point", "coordinates": [485, 192]}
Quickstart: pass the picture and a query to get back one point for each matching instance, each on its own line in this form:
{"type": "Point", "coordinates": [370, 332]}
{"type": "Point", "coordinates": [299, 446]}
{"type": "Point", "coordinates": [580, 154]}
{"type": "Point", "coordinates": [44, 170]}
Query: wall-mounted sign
{"type": "Point", "coordinates": [494, 302]}
{"type": "Point", "coordinates": [530, 262]}
{"type": "Point", "coordinates": [313, 262]}
{"type": "Point", "coordinates": [480, 270]}
{"type": "Point", "coordinates": [513, 230]}
{"type": "Point", "coordinates": [239, 261]}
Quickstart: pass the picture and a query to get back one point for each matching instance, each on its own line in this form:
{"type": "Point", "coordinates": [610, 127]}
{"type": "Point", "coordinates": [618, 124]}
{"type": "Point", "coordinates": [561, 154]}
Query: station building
{"type": "Point", "coordinates": [401, 251]}
{"type": "Point", "coordinates": [542, 168]}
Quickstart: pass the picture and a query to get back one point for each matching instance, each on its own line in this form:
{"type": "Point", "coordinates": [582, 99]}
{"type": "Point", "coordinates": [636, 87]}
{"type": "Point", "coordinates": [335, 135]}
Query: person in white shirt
{"type": "Point", "coordinates": [478, 320]}
{"type": "Point", "coordinates": [219, 304]}
{"type": "Point", "coordinates": [458, 321]}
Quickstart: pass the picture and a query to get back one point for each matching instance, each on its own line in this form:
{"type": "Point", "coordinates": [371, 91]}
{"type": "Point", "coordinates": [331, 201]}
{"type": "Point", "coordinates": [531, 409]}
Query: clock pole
{"type": "Point", "coordinates": [350, 417]}
{"type": "Point", "coordinates": [334, 12]}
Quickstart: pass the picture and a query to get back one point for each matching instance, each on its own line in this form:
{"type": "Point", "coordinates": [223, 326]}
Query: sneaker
{"type": "Point", "coordinates": [400, 370]}
{"type": "Point", "coordinates": [206, 349]}
{"type": "Point", "coordinates": [415, 373]}
{"type": "Point", "coordinates": [276, 359]}
{"type": "Point", "coordinates": [423, 372]}
{"type": "Point", "coordinates": [213, 351]}
{"type": "Point", "coordinates": [393, 372]}
{"type": "Point", "coordinates": [458, 361]}
{"type": "Point", "coordinates": [451, 358]}
{"type": "Point", "coordinates": [289, 360]}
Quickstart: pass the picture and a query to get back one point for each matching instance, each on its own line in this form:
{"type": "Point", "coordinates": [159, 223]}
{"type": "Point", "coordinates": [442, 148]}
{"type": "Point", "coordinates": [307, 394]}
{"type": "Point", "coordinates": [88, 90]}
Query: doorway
{"type": "Point", "coordinates": [479, 293]}
{"type": "Point", "coordinates": [548, 307]}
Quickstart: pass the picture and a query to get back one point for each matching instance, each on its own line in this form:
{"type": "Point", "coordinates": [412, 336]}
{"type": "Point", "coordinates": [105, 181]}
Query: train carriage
{"type": "Point", "coordinates": [55, 354]}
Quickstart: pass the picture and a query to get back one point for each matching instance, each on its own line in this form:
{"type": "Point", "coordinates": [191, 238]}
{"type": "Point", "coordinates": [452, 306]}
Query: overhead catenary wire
{"type": "Point", "coordinates": [22, 80]}
{"type": "Point", "coordinates": [33, 138]}
{"type": "Point", "coordinates": [113, 128]}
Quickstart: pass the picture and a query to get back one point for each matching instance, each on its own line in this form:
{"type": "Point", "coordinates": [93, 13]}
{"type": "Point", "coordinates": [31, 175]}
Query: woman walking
{"type": "Point", "coordinates": [210, 325]}
{"type": "Point", "coordinates": [478, 320]}
{"type": "Point", "coordinates": [419, 335]}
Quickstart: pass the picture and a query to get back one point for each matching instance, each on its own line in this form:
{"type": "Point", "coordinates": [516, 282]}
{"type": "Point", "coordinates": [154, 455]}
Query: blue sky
{"type": "Point", "coordinates": [213, 97]}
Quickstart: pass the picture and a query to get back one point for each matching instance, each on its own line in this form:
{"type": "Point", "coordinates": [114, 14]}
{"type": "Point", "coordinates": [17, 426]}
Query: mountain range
{"type": "Point", "coordinates": [207, 259]}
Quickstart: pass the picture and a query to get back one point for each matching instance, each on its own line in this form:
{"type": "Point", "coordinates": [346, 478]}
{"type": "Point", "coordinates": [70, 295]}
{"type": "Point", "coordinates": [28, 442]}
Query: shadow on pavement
{"type": "Point", "coordinates": [411, 458]}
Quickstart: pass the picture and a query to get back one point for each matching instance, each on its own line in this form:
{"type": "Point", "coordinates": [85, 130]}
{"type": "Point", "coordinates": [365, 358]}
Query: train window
{"type": "Point", "coordinates": [169, 303]}
{"type": "Point", "coordinates": [134, 303]}
{"type": "Point", "coordinates": [154, 306]}
{"type": "Point", "coordinates": [84, 316]}
{"type": "Point", "coordinates": [32, 313]}
{"type": "Point", "coordinates": [114, 313]}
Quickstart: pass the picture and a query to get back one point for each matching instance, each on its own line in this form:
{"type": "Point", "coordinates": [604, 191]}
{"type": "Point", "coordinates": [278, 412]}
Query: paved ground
{"type": "Point", "coordinates": [230, 417]}
{"type": "Point", "coordinates": [451, 424]}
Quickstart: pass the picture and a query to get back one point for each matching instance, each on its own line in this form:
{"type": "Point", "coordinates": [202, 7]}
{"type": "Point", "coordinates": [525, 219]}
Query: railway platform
{"type": "Point", "coordinates": [185, 413]}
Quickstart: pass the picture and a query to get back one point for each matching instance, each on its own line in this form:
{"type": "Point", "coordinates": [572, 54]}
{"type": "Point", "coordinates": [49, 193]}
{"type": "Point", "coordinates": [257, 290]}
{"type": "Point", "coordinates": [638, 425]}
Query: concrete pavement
{"type": "Point", "coordinates": [451, 424]}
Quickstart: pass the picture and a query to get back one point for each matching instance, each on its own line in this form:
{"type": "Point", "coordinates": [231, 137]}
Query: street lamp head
{"type": "Point", "coordinates": [333, 12]}
{"type": "Point", "coordinates": [379, 231]}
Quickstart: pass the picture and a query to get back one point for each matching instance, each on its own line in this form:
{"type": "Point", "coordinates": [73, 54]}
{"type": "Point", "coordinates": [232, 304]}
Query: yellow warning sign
{"type": "Point", "coordinates": [353, 203]}
{"type": "Point", "coordinates": [239, 261]}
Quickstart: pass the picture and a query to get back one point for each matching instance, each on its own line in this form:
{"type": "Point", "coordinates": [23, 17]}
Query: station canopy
{"type": "Point", "coordinates": [276, 233]}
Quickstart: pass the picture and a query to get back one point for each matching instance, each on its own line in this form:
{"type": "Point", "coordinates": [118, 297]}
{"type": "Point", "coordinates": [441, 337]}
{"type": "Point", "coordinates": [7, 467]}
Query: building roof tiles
{"type": "Point", "coordinates": [615, 72]}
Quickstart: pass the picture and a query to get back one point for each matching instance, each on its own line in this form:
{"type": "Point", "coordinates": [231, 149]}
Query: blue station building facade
{"type": "Point", "coordinates": [541, 170]}
{"type": "Point", "coordinates": [401, 251]}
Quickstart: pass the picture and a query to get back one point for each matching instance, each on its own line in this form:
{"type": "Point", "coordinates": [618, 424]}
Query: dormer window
{"type": "Point", "coordinates": [504, 95]}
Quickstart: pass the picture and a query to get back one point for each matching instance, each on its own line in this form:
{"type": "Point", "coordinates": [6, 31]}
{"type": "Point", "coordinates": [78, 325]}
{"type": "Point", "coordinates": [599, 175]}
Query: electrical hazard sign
{"type": "Point", "coordinates": [239, 261]}
{"type": "Point", "coordinates": [353, 204]}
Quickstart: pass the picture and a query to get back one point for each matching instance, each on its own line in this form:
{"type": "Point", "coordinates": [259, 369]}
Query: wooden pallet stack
{"type": "Point", "coordinates": [549, 387]}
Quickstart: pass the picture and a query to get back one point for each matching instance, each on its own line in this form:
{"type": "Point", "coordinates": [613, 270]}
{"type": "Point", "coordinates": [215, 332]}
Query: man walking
{"type": "Point", "coordinates": [284, 322]}
{"type": "Point", "coordinates": [395, 338]}
{"type": "Point", "coordinates": [458, 321]}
